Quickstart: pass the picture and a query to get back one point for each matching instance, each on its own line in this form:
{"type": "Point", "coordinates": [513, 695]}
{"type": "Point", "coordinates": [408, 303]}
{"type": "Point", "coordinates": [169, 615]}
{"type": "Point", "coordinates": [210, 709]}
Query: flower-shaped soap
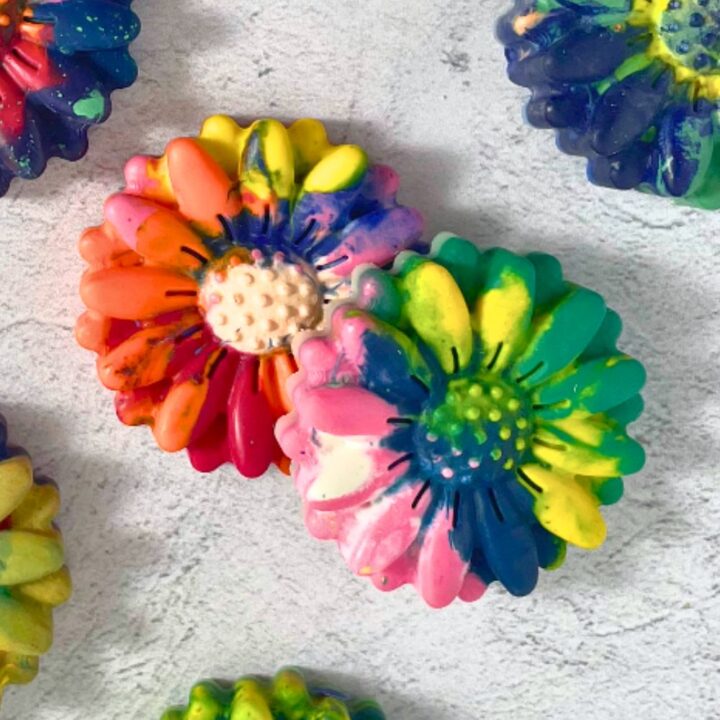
{"type": "Point", "coordinates": [208, 264]}
{"type": "Point", "coordinates": [632, 85]}
{"type": "Point", "coordinates": [59, 62]}
{"type": "Point", "coordinates": [33, 578]}
{"type": "Point", "coordinates": [461, 420]}
{"type": "Point", "coordinates": [285, 697]}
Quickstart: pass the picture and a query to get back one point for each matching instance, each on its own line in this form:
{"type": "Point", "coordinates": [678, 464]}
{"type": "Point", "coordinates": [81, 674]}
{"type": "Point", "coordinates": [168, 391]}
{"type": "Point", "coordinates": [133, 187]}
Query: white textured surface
{"type": "Point", "coordinates": [180, 576]}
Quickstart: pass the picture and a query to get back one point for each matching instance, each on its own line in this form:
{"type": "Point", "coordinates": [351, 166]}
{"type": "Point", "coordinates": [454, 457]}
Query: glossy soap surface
{"type": "Point", "coordinates": [285, 697]}
{"type": "Point", "coordinates": [33, 577]}
{"type": "Point", "coordinates": [632, 85]}
{"type": "Point", "coordinates": [59, 62]}
{"type": "Point", "coordinates": [463, 419]}
{"type": "Point", "coordinates": [211, 260]}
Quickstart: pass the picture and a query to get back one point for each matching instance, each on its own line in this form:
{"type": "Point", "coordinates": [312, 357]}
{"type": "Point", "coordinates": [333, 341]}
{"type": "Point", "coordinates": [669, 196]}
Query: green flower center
{"type": "Point", "coordinates": [690, 29]}
{"type": "Point", "coordinates": [483, 421]}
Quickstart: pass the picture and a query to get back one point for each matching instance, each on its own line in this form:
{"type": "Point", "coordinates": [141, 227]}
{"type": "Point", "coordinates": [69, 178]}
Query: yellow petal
{"type": "Point", "coordinates": [16, 478]}
{"type": "Point", "coordinates": [341, 169]}
{"type": "Point", "coordinates": [27, 556]}
{"type": "Point", "coordinates": [25, 626]}
{"type": "Point", "coordinates": [55, 589]}
{"type": "Point", "coordinates": [310, 143]}
{"type": "Point", "coordinates": [564, 507]}
{"type": "Point", "coordinates": [38, 509]}
{"type": "Point", "coordinates": [17, 669]}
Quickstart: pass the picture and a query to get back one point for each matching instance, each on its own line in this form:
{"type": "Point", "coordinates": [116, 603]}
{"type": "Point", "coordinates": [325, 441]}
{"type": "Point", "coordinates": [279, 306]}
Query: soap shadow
{"type": "Point", "coordinates": [103, 561]}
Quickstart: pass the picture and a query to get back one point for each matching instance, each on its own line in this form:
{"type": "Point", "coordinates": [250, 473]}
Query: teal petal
{"type": "Point", "coordinates": [464, 262]}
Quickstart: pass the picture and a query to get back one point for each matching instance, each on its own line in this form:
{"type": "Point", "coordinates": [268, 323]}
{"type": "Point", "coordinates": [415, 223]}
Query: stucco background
{"type": "Point", "coordinates": [180, 576]}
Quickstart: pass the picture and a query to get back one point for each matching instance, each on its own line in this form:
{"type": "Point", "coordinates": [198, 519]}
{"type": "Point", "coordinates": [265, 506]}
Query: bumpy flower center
{"type": "Point", "coordinates": [258, 306]}
{"type": "Point", "coordinates": [10, 14]}
{"type": "Point", "coordinates": [686, 36]}
{"type": "Point", "coordinates": [482, 425]}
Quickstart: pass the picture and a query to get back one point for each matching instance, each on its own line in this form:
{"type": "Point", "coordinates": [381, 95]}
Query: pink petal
{"type": "Point", "coordinates": [441, 571]}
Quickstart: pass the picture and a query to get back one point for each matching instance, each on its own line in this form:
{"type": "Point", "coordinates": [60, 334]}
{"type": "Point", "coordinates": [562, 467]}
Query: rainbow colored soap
{"type": "Point", "coordinates": [210, 261]}
{"type": "Point", "coordinates": [632, 85]}
{"type": "Point", "coordinates": [59, 62]}
{"type": "Point", "coordinates": [33, 576]}
{"type": "Point", "coordinates": [461, 420]}
{"type": "Point", "coordinates": [285, 697]}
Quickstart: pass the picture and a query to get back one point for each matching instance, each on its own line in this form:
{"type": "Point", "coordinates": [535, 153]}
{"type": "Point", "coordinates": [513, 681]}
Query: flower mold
{"type": "Point", "coordinates": [285, 697]}
{"type": "Point", "coordinates": [59, 62]}
{"type": "Point", "coordinates": [33, 578]}
{"type": "Point", "coordinates": [210, 261]}
{"type": "Point", "coordinates": [632, 85]}
{"type": "Point", "coordinates": [461, 420]}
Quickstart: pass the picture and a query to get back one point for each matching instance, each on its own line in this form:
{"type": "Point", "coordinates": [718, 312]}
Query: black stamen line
{"type": "Point", "coordinates": [226, 226]}
{"type": "Point", "coordinates": [303, 235]}
{"type": "Point", "coordinates": [404, 458]}
{"type": "Point", "coordinates": [332, 263]}
{"type": "Point", "coordinates": [194, 253]}
{"type": "Point", "coordinates": [560, 404]}
{"type": "Point", "coordinates": [524, 377]}
{"type": "Point", "coordinates": [455, 359]}
{"type": "Point", "coordinates": [216, 363]}
{"type": "Point", "coordinates": [456, 508]}
{"type": "Point", "coordinates": [180, 293]}
{"type": "Point", "coordinates": [549, 445]}
{"type": "Point", "coordinates": [419, 382]}
{"type": "Point", "coordinates": [528, 481]}
{"type": "Point", "coordinates": [420, 494]}
{"type": "Point", "coordinates": [495, 506]}
{"type": "Point", "coordinates": [189, 332]}
{"type": "Point", "coordinates": [400, 421]}
{"type": "Point", "coordinates": [266, 220]}
{"type": "Point", "coordinates": [495, 357]}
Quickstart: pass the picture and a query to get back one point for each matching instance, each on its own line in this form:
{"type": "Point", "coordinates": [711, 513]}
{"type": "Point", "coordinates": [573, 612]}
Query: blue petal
{"type": "Point", "coordinates": [507, 541]}
{"type": "Point", "coordinates": [84, 25]}
{"type": "Point", "coordinates": [685, 143]}
{"type": "Point", "coordinates": [568, 108]}
{"type": "Point", "coordinates": [25, 155]}
{"type": "Point", "coordinates": [623, 170]}
{"type": "Point", "coordinates": [117, 68]}
{"type": "Point", "coordinates": [628, 109]}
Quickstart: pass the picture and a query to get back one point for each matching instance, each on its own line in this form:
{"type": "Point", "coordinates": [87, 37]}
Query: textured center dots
{"type": "Point", "coordinates": [480, 429]}
{"type": "Point", "coordinates": [690, 29]}
{"type": "Point", "coordinates": [258, 306]}
{"type": "Point", "coordinates": [10, 12]}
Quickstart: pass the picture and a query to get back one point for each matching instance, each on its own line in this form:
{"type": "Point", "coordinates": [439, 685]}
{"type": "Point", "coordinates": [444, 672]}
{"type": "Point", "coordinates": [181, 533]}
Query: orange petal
{"type": "Point", "coordinates": [202, 189]}
{"type": "Point", "coordinates": [177, 416]}
{"type": "Point", "coordinates": [91, 331]}
{"type": "Point", "coordinates": [141, 360]}
{"type": "Point", "coordinates": [137, 293]}
{"type": "Point", "coordinates": [157, 233]}
{"type": "Point", "coordinates": [275, 369]}
{"type": "Point", "coordinates": [100, 247]}
{"type": "Point", "coordinates": [139, 407]}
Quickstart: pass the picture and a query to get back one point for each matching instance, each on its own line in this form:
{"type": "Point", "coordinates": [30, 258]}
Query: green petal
{"type": "Point", "coordinates": [604, 344]}
{"type": "Point", "coordinates": [27, 556]}
{"type": "Point", "coordinates": [587, 446]}
{"type": "Point", "coordinates": [377, 292]}
{"type": "Point", "coordinates": [628, 412]}
{"type": "Point", "coordinates": [25, 626]}
{"type": "Point", "coordinates": [464, 262]}
{"type": "Point", "coordinates": [559, 335]}
{"type": "Point", "coordinates": [549, 283]}
{"type": "Point", "coordinates": [290, 692]}
{"type": "Point", "coordinates": [208, 701]}
{"type": "Point", "coordinates": [505, 306]}
{"type": "Point", "coordinates": [593, 387]}
{"type": "Point", "coordinates": [436, 309]}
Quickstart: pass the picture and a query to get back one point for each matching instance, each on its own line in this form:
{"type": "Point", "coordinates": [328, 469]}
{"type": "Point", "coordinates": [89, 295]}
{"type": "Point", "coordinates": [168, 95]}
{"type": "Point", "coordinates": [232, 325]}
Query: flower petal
{"type": "Point", "coordinates": [267, 169]}
{"type": "Point", "coordinates": [563, 506]}
{"type": "Point", "coordinates": [592, 387]}
{"type": "Point", "coordinates": [84, 25]}
{"type": "Point", "coordinates": [137, 293]}
{"type": "Point", "coordinates": [382, 531]}
{"type": "Point", "coordinates": [436, 308]}
{"type": "Point", "coordinates": [463, 261]}
{"type": "Point", "coordinates": [38, 508]}
{"type": "Point", "coordinates": [16, 479]}
{"type": "Point", "coordinates": [505, 307]}
{"type": "Point", "coordinates": [588, 446]}
{"type": "Point", "coordinates": [25, 626]}
{"type": "Point", "coordinates": [559, 335]}
{"type": "Point", "coordinates": [251, 441]}
{"type": "Point", "coordinates": [210, 450]}
{"type": "Point", "coordinates": [28, 556]}
{"type": "Point", "coordinates": [440, 569]}
{"type": "Point", "coordinates": [156, 233]}
{"type": "Point", "coordinates": [202, 189]}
